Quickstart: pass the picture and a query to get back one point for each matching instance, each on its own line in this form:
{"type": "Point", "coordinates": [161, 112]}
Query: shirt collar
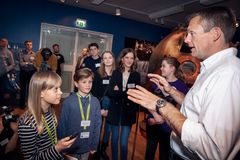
{"type": "Point", "coordinates": [215, 58]}
{"type": "Point", "coordinates": [87, 96]}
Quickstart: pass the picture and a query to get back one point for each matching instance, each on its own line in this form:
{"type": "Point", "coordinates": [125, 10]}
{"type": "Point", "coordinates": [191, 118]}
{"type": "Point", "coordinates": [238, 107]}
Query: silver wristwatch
{"type": "Point", "coordinates": [160, 104]}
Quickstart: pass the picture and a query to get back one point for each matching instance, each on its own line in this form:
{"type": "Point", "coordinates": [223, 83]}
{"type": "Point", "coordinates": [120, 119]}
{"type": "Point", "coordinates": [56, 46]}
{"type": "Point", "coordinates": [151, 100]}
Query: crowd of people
{"type": "Point", "coordinates": [18, 66]}
{"type": "Point", "coordinates": [201, 122]}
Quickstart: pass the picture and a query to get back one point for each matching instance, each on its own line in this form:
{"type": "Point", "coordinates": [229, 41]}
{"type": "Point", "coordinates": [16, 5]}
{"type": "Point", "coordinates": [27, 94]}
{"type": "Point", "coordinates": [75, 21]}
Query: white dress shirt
{"type": "Point", "coordinates": [212, 108]}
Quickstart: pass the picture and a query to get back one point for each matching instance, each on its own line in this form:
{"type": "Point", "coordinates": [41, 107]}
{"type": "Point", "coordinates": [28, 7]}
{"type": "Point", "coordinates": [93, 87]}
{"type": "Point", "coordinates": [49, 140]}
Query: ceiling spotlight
{"type": "Point", "coordinates": [237, 24]}
{"type": "Point", "coordinates": [77, 1]}
{"type": "Point", "coordinates": [118, 12]}
{"type": "Point", "coordinates": [62, 1]}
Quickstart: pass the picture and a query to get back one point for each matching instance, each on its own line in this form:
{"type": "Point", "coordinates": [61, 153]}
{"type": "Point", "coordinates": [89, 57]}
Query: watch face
{"type": "Point", "coordinates": [161, 103]}
{"type": "Point", "coordinates": [158, 102]}
{"type": "Point", "coordinates": [158, 106]}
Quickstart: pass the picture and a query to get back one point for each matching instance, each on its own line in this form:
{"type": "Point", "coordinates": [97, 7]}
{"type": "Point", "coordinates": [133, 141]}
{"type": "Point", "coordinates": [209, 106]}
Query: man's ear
{"type": "Point", "coordinates": [216, 32]}
{"type": "Point", "coordinates": [42, 94]}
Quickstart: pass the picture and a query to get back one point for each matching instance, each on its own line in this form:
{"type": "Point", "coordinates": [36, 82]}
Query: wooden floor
{"type": "Point", "coordinates": [140, 140]}
{"type": "Point", "coordinates": [140, 145]}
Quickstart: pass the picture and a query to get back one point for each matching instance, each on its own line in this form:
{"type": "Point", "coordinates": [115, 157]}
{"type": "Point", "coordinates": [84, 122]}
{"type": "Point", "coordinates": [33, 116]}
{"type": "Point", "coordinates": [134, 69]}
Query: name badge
{"type": "Point", "coordinates": [131, 85]}
{"type": "Point", "coordinates": [85, 123]}
{"type": "Point", "coordinates": [97, 65]}
{"type": "Point", "coordinates": [84, 135]}
{"type": "Point", "coordinates": [105, 81]}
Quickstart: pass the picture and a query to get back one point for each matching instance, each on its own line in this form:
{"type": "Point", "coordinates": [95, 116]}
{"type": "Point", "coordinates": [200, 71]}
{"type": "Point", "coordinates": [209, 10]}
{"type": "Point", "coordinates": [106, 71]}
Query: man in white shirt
{"type": "Point", "coordinates": [208, 124]}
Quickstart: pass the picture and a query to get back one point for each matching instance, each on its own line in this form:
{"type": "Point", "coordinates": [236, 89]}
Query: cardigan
{"type": "Point", "coordinates": [122, 110]}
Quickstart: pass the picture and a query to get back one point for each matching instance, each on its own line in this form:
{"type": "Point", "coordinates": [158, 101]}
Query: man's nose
{"type": "Point", "coordinates": [187, 39]}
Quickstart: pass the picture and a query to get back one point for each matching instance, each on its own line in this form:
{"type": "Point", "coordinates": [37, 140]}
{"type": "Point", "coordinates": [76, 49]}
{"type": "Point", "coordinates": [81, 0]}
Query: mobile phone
{"type": "Point", "coordinates": [74, 135]}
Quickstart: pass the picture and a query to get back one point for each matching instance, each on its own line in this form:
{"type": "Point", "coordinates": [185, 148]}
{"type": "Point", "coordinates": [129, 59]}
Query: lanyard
{"type": "Point", "coordinates": [81, 109]}
{"type": "Point", "coordinates": [54, 141]}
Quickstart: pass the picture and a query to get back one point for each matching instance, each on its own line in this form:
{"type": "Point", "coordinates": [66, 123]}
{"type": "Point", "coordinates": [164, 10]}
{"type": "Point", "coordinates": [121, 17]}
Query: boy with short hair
{"type": "Point", "coordinates": [94, 60]}
{"type": "Point", "coordinates": [81, 113]}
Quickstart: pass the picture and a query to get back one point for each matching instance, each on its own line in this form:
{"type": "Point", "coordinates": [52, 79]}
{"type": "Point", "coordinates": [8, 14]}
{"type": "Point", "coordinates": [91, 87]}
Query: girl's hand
{"type": "Point", "coordinates": [151, 121]}
{"type": "Point", "coordinates": [158, 119]}
{"type": "Point", "coordinates": [64, 143]}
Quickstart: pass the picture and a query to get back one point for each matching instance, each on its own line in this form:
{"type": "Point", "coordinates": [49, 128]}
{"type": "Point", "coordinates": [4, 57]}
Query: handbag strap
{"type": "Point", "coordinates": [105, 92]}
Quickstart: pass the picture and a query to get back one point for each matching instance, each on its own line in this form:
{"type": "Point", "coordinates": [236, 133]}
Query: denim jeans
{"type": "Point", "coordinates": [124, 132]}
{"type": "Point", "coordinates": [106, 133]}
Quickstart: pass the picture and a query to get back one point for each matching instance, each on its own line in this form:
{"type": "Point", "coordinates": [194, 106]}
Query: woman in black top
{"type": "Point", "coordinates": [122, 113]}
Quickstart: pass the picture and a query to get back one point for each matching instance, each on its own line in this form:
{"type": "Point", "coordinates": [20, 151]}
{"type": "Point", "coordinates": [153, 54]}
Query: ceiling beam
{"type": "Point", "coordinates": [125, 8]}
{"type": "Point", "coordinates": [209, 2]}
{"type": "Point", "coordinates": [97, 2]}
{"type": "Point", "coordinates": [166, 12]}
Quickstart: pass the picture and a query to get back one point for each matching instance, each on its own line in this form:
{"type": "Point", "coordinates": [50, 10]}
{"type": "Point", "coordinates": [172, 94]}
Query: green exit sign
{"type": "Point", "coordinates": [82, 23]}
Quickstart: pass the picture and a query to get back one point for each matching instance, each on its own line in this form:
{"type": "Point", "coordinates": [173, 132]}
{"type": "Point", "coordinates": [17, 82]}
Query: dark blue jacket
{"type": "Point", "coordinates": [70, 122]}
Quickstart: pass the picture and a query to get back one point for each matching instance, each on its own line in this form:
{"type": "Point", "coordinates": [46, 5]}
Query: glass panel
{"type": "Point", "coordinates": [63, 37]}
{"type": "Point", "coordinates": [67, 79]}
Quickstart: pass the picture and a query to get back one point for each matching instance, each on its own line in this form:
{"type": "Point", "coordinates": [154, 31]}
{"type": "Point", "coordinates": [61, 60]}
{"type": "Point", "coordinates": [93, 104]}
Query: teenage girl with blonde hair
{"type": "Point", "coordinates": [101, 87]}
{"type": "Point", "coordinates": [37, 126]}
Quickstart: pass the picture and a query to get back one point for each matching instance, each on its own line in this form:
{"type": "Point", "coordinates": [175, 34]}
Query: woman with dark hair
{"type": "Point", "coordinates": [122, 113]}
